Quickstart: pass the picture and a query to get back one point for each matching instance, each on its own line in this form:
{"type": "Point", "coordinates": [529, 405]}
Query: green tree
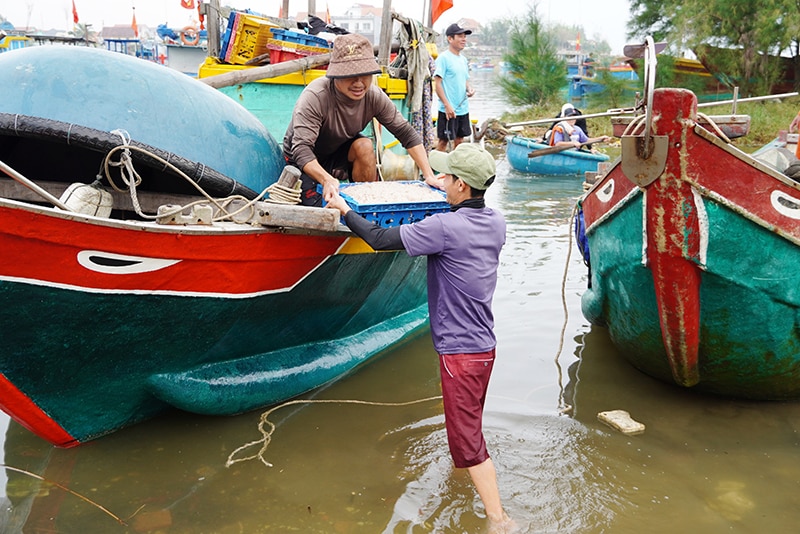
{"type": "Point", "coordinates": [495, 33]}
{"type": "Point", "coordinates": [758, 32]}
{"type": "Point", "coordinates": [536, 73]}
{"type": "Point", "coordinates": [617, 92]}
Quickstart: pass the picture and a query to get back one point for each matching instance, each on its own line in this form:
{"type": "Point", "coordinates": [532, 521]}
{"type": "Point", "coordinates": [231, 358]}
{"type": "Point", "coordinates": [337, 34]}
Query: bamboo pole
{"type": "Point", "coordinates": [268, 71]}
{"type": "Point", "coordinates": [628, 111]}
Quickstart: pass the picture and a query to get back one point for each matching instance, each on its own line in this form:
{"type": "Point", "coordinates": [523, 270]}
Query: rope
{"type": "Point", "coordinates": [131, 180]}
{"type": "Point", "coordinates": [280, 194]}
{"type": "Point", "coordinates": [563, 407]}
{"type": "Point", "coordinates": [267, 427]}
{"type": "Point", "coordinates": [717, 129]}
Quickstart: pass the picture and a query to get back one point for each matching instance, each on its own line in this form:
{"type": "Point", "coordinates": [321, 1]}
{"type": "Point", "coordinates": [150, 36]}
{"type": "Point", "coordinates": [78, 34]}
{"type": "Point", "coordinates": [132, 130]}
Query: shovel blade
{"type": "Point", "coordinates": [638, 169]}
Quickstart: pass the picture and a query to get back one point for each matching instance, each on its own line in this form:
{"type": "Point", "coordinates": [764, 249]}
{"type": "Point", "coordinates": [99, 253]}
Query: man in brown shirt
{"type": "Point", "coordinates": [324, 137]}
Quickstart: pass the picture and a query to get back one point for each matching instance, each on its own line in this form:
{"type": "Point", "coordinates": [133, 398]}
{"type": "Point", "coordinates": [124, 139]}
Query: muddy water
{"type": "Point", "coordinates": [704, 464]}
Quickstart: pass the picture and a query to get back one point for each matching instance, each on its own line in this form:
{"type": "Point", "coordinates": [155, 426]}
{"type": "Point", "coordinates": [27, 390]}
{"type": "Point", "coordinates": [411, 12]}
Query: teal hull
{"type": "Point", "coordinates": [106, 361]}
{"type": "Point", "coordinates": [694, 266]}
{"type": "Point", "coordinates": [750, 319]}
{"type": "Point", "coordinates": [566, 163]}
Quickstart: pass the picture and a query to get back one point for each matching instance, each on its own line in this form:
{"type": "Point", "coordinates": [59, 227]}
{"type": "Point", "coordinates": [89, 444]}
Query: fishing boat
{"type": "Point", "coordinates": [692, 246]}
{"type": "Point", "coordinates": [128, 287]}
{"type": "Point", "coordinates": [521, 154]}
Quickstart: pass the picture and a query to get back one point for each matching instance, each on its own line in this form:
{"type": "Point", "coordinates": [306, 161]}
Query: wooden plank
{"type": "Point", "coordinates": [296, 216]}
{"type": "Point", "coordinates": [269, 71]}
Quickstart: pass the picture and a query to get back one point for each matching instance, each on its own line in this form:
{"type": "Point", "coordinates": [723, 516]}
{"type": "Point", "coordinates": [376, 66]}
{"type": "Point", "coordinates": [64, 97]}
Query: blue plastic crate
{"type": "Point", "coordinates": [395, 214]}
{"type": "Point", "coordinates": [299, 38]}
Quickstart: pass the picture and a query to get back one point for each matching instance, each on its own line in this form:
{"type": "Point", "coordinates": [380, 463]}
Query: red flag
{"type": "Point", "coordinates": [578, 43]}
{"type": "Point", "coordinates": [74, 12]}
{"type": "Point", "coordinates": [188, 4]}
{"type": "Point", "coordinates": [438, 7]}
{"type": "Point", "coordinates": [133, 24]}
{"type": "Point", "coordinates": [327, 14]}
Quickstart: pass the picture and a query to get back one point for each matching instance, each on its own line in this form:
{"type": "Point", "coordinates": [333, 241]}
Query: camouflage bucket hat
{"type": "Point", "coordinates": [352, 55]}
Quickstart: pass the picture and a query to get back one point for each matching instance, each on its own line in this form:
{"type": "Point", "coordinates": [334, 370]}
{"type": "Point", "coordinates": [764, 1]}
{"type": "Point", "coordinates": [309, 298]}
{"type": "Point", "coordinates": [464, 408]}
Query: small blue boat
{"type": "Point", "coordinates": [565, 163]}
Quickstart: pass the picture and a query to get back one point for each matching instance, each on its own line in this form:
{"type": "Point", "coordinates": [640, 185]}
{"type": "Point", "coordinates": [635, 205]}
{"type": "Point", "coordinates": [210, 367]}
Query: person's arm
{"type": "Point", "coordinates": [378, 237]}
{"type": "Point", "coordinates": [795, 125]}
{"type": "Point", "coordinates": [470, 89]}
{"type": "Point", "coordinates": [449, 110]}
{"type": "Point", "coordinates": [330, 185]}
{"type": "Point", "coordinates": [420, 157]}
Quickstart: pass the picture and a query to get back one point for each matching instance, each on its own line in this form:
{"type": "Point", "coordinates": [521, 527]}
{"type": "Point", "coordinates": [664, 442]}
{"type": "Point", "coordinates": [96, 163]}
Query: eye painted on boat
{"type": "Point", "coordinates": [785, 205]}
{"type": "Point", "coordinates": [605, 194]}
{"type": "Point", "coordinates": [110, 263]}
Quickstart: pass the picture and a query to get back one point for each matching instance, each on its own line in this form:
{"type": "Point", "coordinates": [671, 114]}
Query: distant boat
{"type": "Point", "coordinates": [691, 74]}
{"type": "Point", "coordinates": [564, 163]}
{"type": "Point", "coordinates": [693, 252]}
{"type": "Point", "coordinates": [716, 60]}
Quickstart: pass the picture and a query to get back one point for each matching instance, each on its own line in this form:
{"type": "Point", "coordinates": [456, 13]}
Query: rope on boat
{"type": "Point", "coordinates": [131, 179]}
{"type": "Point", "coordinates": [713, 124]}
{"type": "Point", "coordinates": [267, 427]}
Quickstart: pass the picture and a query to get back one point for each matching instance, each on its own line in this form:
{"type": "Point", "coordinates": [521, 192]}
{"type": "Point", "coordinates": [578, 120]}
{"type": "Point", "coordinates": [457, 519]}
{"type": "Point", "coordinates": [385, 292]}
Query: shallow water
{"type": "Point", "coordinates": [704, 464]}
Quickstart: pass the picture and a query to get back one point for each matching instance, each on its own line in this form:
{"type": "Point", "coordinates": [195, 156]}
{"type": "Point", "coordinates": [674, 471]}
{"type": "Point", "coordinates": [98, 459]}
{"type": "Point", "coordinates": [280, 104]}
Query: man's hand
{"type": "Point", "coordinates": [330, 188]}
{"type": "Point", "coordinates": [338, 203]}
{"type": "Point", "coordinates": [435, 181]}
{"type": "Point", "coordinates": [795, 124]}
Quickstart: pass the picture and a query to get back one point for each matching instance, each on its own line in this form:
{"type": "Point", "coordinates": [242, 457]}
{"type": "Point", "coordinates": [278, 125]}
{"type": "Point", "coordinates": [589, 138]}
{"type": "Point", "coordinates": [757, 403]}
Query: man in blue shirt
{"type": "Point", "coordinates": [463, 249]}
{"type": "Point", "coordinates": [453, 88]}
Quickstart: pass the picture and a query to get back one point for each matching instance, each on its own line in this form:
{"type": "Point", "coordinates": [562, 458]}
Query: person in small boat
{"type": "Point", "coordinates": [463, 250]}
{"type": "Point", "coordinates": [581, 122]}
{"type": "Point", "coordinates": [324, 138]}
{"type": "Point", "coordinates": [451, 79]}
{"type": "Point", "coordinates": [567, 132]}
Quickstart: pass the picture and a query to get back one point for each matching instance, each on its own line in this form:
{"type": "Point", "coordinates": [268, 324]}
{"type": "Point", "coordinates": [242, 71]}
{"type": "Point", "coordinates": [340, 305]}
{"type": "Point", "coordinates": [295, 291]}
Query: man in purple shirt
{"type": "Point", "coordinates": [463, 249]}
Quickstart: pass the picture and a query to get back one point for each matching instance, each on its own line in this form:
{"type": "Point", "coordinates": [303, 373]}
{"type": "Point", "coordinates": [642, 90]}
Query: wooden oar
{"type": "Point", "coordinates": [636, 51]}
{"type": "Point", "coordinates": [556, 149]}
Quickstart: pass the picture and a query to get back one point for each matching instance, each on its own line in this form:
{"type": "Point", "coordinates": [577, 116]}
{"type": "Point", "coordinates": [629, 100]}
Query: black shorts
{"type": "Point", "coordinates": [449, 129]}
{"type": "Point", "coordinates": [336, 164]}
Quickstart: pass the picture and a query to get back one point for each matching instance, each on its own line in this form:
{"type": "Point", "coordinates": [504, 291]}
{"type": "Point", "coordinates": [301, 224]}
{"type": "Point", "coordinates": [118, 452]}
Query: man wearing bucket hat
{"type": "Point", "coordinates": [463, 249]}
{"type": "Point", "coordinates": [453, 89]}
{"type": "Point", "coordinates": [324, 137]}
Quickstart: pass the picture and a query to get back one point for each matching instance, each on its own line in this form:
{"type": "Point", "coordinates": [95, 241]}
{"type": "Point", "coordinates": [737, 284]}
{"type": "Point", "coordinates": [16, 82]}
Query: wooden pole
{"type": "Point", "coordinates": [386, 33]}
{"type": "Point", "coordinates": [213, 17]}
{"type": "Point", "coordinates": [269, 71]}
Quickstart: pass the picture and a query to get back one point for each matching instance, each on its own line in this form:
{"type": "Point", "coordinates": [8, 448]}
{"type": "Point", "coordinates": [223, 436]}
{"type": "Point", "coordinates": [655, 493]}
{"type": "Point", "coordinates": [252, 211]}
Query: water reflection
{"type": "Point", "coordinates": [704, 464]}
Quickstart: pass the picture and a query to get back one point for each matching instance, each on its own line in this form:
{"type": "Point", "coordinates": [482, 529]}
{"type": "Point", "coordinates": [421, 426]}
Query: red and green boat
{"type": "Point", "coordinates": [113, 318]}
{"type": "Point", "coordinates": [693, 249]}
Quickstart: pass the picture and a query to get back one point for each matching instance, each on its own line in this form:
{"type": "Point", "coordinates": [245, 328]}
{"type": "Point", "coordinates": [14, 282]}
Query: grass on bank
{"type": "Point", "coordinates": [767, 118]}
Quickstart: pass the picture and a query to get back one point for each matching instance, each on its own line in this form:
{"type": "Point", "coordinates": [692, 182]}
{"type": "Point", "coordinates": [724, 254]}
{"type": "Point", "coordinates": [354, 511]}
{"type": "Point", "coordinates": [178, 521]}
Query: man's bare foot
{"type": "Point", "coordinates": [502, 525]}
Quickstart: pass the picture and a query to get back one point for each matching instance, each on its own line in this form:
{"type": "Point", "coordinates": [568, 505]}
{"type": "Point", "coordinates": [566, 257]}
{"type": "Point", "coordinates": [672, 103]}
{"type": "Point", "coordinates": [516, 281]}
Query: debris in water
{"type": "Point", "coordinates": [622, 421]}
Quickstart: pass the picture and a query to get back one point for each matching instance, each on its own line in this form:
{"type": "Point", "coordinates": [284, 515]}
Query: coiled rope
{"type": "Point", "coordinates": [131, 180]}
{"type": "Point", "coordinates": [267, 427]}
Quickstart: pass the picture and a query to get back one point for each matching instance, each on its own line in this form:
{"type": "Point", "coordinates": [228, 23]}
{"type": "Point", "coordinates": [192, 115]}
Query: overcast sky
{"type": "Point", "coordinates": [599, 18]}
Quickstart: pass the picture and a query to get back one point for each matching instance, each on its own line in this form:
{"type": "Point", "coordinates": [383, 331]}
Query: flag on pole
{"type": "Point", "coordinates": [74, 12]}
{"type": "Point", "coordinates": [438, 7]}
{"type": "Point", "coordinates": [327, 14]}
{"type": "Point", "coordinates": [578, 43]}
{"type": "Point", "coordinates": [133, 24]}
{"type": "Point", "coordinates": [188, 4]}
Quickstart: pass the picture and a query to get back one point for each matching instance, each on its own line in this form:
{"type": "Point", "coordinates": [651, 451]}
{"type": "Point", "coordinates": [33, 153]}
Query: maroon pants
{"type": "Point", "coordinates": [465, 379]}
